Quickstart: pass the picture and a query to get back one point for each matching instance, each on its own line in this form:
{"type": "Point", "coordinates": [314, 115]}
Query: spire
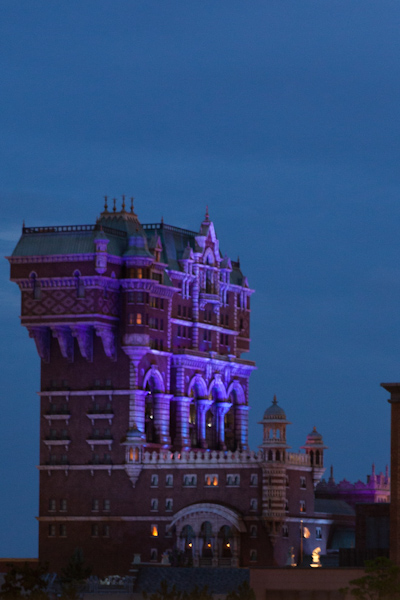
{"type": "Point", "coordinates": [162, 220]}
{"type": "Point", "coordinates": [274, 401]}
{"type": "Point", "coordinates": [132, 198]}
{"type": "Point", "coordinates": [105, 204]}
{"type": "Point", "coordinates": [331, 478]}
{"type": "Point", "coordinates": [123, 202]}
{"type": "Point", "coordinates": [114, 207]}
{"type": "Point", "coordinates": [207, 217]}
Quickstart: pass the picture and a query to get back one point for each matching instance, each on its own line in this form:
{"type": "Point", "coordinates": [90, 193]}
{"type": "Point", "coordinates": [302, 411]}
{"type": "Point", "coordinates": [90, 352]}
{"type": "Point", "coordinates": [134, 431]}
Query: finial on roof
{"type": "Point", "coordinates": [274, 401]}
{"type": "Point", "coordinates": [373, 469]}
{"type": "Point", "coordinates": [162, 220]}
{"type": "Point", "coordinates": [123, 202]}
{"type": "Point", "coordinates": [314, 428]}
{"type": "Point", "coordinates": [207, 218]}
{"type": "Point", "coordinates": [23, 224]}
{"type": "Point", "coordinates": [114, 207]}
{"type": "Point", "coordinates": [105, 204]}
{"type": "Point", "coordinates": [132, 204]}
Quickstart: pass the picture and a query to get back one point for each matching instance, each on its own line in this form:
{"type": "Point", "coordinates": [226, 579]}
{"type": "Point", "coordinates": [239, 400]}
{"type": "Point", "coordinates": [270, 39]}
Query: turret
{"type": "Point", "coordinates": [274, 470]}
{"type": "Point", "coordinates": [314, 448]}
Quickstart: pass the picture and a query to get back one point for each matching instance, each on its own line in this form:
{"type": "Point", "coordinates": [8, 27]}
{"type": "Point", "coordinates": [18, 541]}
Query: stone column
{"type": "Point", "coordinates": [242, 426]}
{"type": "Point", "coordinates": [161, 418]}
{"type": "Point", "coordinates": [221, 408]}
{"type": "Point", "coordinates": [137, 399]}
{"type": "Point", "coordinates": [203, 405]}
{"type": "Point", "coordinates": [182, 422]}
{"type": "Point", "coordinates": [235, 550]}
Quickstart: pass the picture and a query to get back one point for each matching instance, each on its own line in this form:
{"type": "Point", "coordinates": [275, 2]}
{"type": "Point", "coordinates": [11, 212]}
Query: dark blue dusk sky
{"type": "Point", "coordinates": [283, 117]}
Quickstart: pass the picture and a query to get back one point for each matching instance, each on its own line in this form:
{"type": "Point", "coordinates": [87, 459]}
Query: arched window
{"type": "Point", "coordinates": [149, 419]}
{"type": "Point", "coordinates": [206, 534]}
{"type": "Point", "coordinates": [193, 424]}
{"type": "Point", "coordinates": [278, 455]}
{"type": "Point", "coordinates": [317, 457]}
{"type": "Point", "coordinates": [188, 535]}
{"type": "Point", "coordinates": [270, 457]}
{"type": "Point", "coordinates": [80, 288]}
{"type": "Point", "coordinates": [226, 538]}
{"type": "Point", "coordinates": [312, 457]}
{"type": "Point", "coordinates": [37, 292]}
{"type": "Point", "coordinates": [210, 429]}
{"type": "Point", "coordinates": [130, 454]}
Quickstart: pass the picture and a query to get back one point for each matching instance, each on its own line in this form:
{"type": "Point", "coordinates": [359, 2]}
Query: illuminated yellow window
{"type": "Point", "coordinates": [154, 530]}
{"type": "Point", "coordinates": [215, 480]}
{"type": "Point", "coordinates": [139, 273]}
{"type": "Point", "coordinates": [139, 319]}
{"type": "Point", "coordinates": [131, 454]}
{"type": "Point", "coordinates": [208, 481]}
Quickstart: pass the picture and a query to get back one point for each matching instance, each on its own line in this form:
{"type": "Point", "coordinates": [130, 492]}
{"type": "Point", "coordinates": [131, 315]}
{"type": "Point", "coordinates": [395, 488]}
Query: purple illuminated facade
{"type": "Point", "coordinates": [144, 394]}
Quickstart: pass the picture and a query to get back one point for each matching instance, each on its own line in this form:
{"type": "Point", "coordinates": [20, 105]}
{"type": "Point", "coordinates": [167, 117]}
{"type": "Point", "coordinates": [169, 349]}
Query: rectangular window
{"type": "Point", "coordinates": [106, 504]}
{"type": "Point", "coordinates": [318, 533]}
{"type": "Point", "coordinates": [139, 297]}
{"type": "Point", "coordinates": [179, 310]}
{"type": "Point", "coordinates": [233, 480]}
{"type": "Point", "coordinates": [95, 530]}
{"type": "Point", "coordinates": [153, 555]}
{"type": "Point", "coordinates": [52, 531]}
{"type": "Point", "coordinates": [286, 505]}
{"type": "Point", "coordinates": [95, 505]}
{"type": "Point", "coordinates": [285, 531]}
{"type": "Point", "coordinates": [184, 311]}
{"type": "Point", "coordinates": [154, 481]}
{"type": "Point", "coordinates": [168, 504]}
{"type": "Point", "coordinates": [169, 480]}
{"type": "Point", "coordinates": [139, 319]}
{"type": "Point", "coordinates": [161, 324]}
{"type": "Point", "coordinates": [303, 482]}
{"type": "Point", "coordinates": [106, 531]}
{"type": "Point", "coordinates": [131, 297]}
{"type": "Point", "coordinates": [154, 504]}
{"type": "Point", "coordinates": [63, 504]}
{"type": "Point", "coordinates": [179, 331]}
{"type": "Point", "coordinates": [52, 504]}
{"type": "Point", "coordinates": [162, 303]}
{"type": "Point", "coordinates": [161, 345]}
{"type": "Point", "coordinates": [190, 480]}
{"type": "Point", "coordinates": [211, 480]}
{"type": "Point", "coordinates": [154, 530]}
{"type": "Point", "coordinates": [254, 479]}
{"type": "Point", "coordinates": [253, 531]}
{"type": "Point", "coordinates": [63, 531]}
{"type": "Point", "coordinates": [253, 555]}
{"type": "Point", "coordinates": [302, 506]}
{"type": "Point", "coordinates": [168, 531]}
{"type": "Point", "coordinates": [139, 273]}
{"type": "Point", "coordinates": [131, 319]}
{"type": "Point", "coordinates": [253, 504]}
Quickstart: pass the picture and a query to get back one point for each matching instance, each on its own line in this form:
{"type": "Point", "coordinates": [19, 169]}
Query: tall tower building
{"type": "Point", "coordinates": [141, 329]}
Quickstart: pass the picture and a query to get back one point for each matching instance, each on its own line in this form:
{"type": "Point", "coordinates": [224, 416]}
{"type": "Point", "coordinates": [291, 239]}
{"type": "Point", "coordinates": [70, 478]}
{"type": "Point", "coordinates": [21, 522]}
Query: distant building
{"type": "Point", "coordinates": [144, 403]}
{"type": "Point", "coordinates": [375, 490]}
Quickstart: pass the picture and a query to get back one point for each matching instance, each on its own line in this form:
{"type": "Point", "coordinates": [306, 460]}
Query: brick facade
{"type": "Point", "coordinates": [144, 402]}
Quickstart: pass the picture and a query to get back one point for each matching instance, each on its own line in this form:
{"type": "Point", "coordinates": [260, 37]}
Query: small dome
{"type": "Point", "coordinates": [274, 411]}
{"type": "Point", "coordinates": [314, 435]}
